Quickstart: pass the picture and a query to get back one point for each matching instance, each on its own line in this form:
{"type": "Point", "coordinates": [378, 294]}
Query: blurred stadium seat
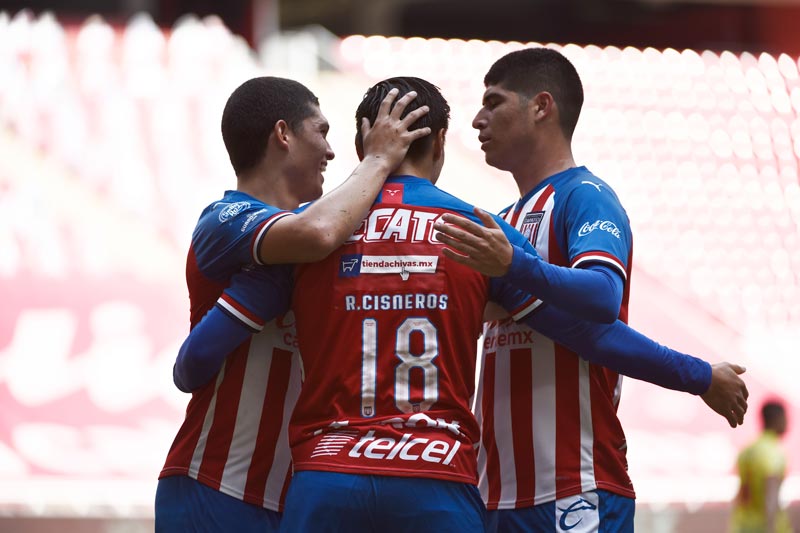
{"type": "Point", "coordinates": [110, 146]}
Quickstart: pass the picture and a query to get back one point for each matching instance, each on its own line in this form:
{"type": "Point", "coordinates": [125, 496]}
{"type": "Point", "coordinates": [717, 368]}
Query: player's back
{"type": "Point", "coordinates": [387, 328]}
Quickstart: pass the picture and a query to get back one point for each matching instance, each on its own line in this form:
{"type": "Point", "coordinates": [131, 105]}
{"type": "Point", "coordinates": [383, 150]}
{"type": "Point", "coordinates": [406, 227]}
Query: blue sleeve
{"type": "Point", "coordinates": [593, 293]}
{"type": "Point", "coordinates": [203, 352]}
{"type": "Point", "coordinates": [596, 226]}
{"type": "Point", "coordinates": [254, 297]}
{"type": "Point", "coordinates": [622, 349]}
{"type": "Point", "coordinates": [229, 234]}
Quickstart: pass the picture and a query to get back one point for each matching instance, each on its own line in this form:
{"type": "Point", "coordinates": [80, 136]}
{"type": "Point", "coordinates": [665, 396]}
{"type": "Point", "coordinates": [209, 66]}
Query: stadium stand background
{"type": "Point", "coordinates": [110, 146]}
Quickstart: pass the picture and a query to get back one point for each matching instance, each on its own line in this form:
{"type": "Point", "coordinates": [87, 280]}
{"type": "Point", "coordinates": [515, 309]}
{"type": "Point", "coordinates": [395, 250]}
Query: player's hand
{"type": "Point", "coordinates": [483, 248]}
{"type": "Point", "coordinates": [727, 394]}
{"type": "Point", "coordinates": [389, 138]}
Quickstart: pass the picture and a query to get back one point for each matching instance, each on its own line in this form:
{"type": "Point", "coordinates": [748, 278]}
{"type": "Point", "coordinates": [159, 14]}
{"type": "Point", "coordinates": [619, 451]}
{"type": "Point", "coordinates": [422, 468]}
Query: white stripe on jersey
{"type": "Point", "coordinates": [477, 410]}
{"type": "Point", "coordinates": [502, 425]}
{"type": "Point", "coordinates": [587, 431]}
{"type": "Point", "coordinates": [200, 449]}
{"type": "Point", "coordinates": [543, 235]}
{"type": "Point", "coordinates": [543, 419]}
{"type": "Point", "coordinates": [245, 430]}
{"type": "Point", "coordinates": [283, 454]}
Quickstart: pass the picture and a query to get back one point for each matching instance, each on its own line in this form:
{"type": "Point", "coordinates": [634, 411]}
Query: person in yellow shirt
{"type": "Point", "coordinates": [761, 467]}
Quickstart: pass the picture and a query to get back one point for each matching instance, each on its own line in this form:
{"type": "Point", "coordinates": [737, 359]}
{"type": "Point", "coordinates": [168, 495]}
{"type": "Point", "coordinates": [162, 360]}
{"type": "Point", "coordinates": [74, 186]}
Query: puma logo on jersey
{"type": "Point", "coordinates": [392, 192]}
{"type": "Point", "coordinates": [397, 225]}
{"type": "Point", "coordinates": [593, 184]}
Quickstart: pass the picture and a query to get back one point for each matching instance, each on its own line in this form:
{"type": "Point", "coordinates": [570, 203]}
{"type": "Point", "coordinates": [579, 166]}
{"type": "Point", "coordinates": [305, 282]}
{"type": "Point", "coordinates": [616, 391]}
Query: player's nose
{"type": "Point", "coordinates": [479, 122]}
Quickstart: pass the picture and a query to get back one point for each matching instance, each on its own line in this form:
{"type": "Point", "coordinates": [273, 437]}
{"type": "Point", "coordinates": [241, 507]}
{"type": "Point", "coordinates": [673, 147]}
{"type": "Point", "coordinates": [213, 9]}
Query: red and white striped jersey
{"type": "Point", "coordinates": [548, 418]}
{"type": "Point", "coordinates": [387, 327]}
{"type": "Point", "coordinates": [234, 436]}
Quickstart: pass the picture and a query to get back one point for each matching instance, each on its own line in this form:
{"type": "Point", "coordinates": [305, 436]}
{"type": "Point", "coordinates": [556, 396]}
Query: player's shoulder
{"type": "Point", "coordinates": [583, 179]}
{"type": "Point", "coordinates": [234, 210]}
{"type": "Point", "coordinates": [435, 198]}
{"type": "Point", "coordinates": [579, 185]}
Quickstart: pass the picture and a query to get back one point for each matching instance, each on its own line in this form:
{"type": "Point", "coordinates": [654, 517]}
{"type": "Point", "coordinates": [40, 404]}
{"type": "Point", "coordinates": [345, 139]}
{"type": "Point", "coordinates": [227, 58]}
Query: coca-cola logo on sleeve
{"type": "Point", "coordinates": [602, 225]}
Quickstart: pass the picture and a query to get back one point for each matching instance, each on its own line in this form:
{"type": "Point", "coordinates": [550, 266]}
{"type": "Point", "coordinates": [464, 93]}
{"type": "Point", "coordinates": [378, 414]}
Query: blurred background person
{"type": "Point", "coordinates": [762, 467]}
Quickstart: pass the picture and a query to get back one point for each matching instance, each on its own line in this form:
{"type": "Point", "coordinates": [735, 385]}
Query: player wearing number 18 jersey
{"type": "Point", "coordinates": [382, 435]}
{"type": "Point", "coordinates": [229, 465]}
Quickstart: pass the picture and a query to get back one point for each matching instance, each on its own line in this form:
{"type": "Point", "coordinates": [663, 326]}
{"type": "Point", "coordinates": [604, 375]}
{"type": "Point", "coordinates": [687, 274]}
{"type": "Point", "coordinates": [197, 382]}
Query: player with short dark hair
{"type": "Point", "coordinates": [254, 108]}
{"type": "Point", "coordinates": [553, 450]}
{"type": "Point", "coordinates": [387, 327]}
{"type": "Point", "coordinates": [382, 435]}
{"type": "Point", "coordinates": [229, 465]}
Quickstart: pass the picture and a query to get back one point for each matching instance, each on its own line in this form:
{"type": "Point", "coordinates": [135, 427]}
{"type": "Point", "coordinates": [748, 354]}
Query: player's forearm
{"type": "Point", "coordinates": [593, 294]}
{"type": "Point", "coordinates": [203, 353]}
{"type": "Point", "coordinates": [624, 350]}
{"type": "Point", "coordinates": [328, 222]}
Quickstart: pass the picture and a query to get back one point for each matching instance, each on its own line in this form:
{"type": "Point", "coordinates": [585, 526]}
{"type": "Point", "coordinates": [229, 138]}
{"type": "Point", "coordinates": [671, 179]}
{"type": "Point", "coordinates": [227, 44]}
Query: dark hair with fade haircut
{"type": "Point", "coordinates": [428, 94]}
{"type": "Point", "coordinates": [252, 111]}
{"type": "Point", "coordinates": [533, 70]}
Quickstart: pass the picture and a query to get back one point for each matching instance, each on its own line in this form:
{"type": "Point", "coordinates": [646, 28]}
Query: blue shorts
{"type": "Point", "coordinates": [184, 504]}
{"type": "Point", "coordinates": [597, 511]}
{"type": "Point", "coordinates": [332, 502]}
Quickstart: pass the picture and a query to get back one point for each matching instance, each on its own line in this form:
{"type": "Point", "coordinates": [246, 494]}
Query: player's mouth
{"type": "Point", "coordinates": [484, 141]}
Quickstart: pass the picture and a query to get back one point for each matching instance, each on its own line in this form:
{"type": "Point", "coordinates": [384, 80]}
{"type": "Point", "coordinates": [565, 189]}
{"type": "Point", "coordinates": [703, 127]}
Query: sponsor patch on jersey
{"type": "Point", "coordinates": [602, 225]}
{"type": "Point", "coordinates": [349, 266]}
{"type": "Point", "coordinates": [231, 210]}
{"type": "Point", "coordinates": [530, 225]}
{"type": "Point", "coordinates": [405, 265]}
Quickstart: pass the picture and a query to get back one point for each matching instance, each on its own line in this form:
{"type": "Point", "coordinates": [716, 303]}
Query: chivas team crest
{"type": "Point", "coordinates": [530, 225]}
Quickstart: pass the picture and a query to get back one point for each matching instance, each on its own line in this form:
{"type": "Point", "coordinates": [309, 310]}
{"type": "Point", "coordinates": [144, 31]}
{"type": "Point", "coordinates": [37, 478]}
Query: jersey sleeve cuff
{"type": "Point", "coordinates": [525, 309]}
{"type": "Point", "coordinates": [601, 257]}
{"type": "Point", "coordinates": [237, 311]}
{"type": "Point", "coordinates": [258, 234]}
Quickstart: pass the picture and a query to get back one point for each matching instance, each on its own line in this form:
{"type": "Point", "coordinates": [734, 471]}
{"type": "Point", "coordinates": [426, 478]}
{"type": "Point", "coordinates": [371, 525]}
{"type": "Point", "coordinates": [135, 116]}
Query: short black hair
{"type": "Point", "coordinates": [532, 70]}
{"type": "Point", "coordinates": [428, 94]}
{"type": "Point", "coordinates": [771, 412]}
{"type": "Point", "coordinates": [252, 111]}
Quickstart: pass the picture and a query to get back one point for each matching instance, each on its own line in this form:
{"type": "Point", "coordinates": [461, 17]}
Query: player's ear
{"type": "Point", "coordinates": [438, 144]}
{"type": "Point", "coordinates": [542, 105]}
{"type": "Point", "coordinates": [281, 134]}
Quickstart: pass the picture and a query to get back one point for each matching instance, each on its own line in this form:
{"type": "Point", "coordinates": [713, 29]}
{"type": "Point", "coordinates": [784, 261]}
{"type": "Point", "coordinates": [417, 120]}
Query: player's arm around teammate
{"type": "Point", "coordinates": [315, 232]}
{"type": "Point", "coordinates": [487, 249]}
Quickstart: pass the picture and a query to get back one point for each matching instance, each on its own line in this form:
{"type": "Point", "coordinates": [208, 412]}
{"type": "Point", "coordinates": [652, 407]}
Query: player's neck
{"type": "Point", "coordinates": [538, 168]}
{"type": "Point", "coordinates": [421, 169]}
{"type": "Point", "coordinates": [267, 187]}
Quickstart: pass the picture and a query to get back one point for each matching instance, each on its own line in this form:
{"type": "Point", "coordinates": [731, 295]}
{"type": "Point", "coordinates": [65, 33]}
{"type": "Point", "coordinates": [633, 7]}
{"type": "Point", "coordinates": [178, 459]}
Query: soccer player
{"type": "Point", "coordinates": [387, 327]}
{"type": "Point", "coordinates": [382, 435]}
{"type": "Point", "coordinates": [229, 465]}
{"type": "Point", "coordinates": [553, 451]}
{"type": "Point", "coordinates": [762, 467]}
